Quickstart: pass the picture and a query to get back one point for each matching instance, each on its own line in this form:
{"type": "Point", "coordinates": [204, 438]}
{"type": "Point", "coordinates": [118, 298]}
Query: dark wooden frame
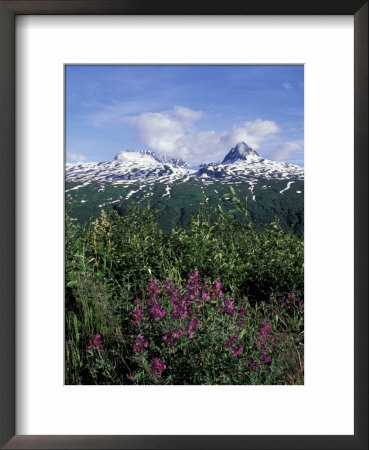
{"type": "Point", "coordinates": [8, 11]}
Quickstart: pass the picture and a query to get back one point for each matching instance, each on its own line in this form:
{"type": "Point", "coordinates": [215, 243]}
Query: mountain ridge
{"type": "Point", "coordinates": [241, 163]}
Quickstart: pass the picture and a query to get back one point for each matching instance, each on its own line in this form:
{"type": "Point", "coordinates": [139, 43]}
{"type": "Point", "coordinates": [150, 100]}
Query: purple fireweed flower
{"type": "Point", "coordinates": [194, 287]}
{"type": "Point", "coordinates": [265, 329]}
{"type": "Point", "coordinates": [154, 302]}
{"type": "Point", "coordinates": [137, 313]}
{"type": "Point", "coordinates": [267, 359]}
{"type": "Point", "coordinates": [238, 351]}
{"type": "Point", "coordinates": [231, 344]}
{"type": "Point", "coordinates": [168, 338]}
{"type": "Point", "coordinates": [206, 296]}
{"type": "Point", "coordinates": [178, 300]}
{"type": "Point", "coordinates": [95, 342]}
{"type": "Point", "coordinates": [291, 301]}
{"type": "Point", "coordinates": [254, 366]}
{"type": "Point", "coordinates": [193, 324]}
{"type": "Point", "coordinates": [153, 287]}
{"type": "Point", "coordinates": [156, 311]}
{"type": "Point", "coordinates": [302, 366]}
{"type": "Point", "coordinates": [178, 333]}
{"type": "Point", "coordinates": [140, 344]}
{"type": "Point", "coordinates": [228, 307]}
{"type": "Point", "coordinates": [157, 367]}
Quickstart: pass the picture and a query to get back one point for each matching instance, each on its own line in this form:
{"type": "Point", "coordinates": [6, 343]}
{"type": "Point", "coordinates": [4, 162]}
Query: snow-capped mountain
{"type": "Point", "coordinates": [131, 156]}
{"type": "Point", "coordinates": [244, 163]}
{"type": "Point", "coordinates": [241, 163]}
{"type": "Point", "coordinates": [129, 165]}
{"type": "Point", "coordinates": [242, 152]}
{"type": "Point", "coordinates": [175, 190]}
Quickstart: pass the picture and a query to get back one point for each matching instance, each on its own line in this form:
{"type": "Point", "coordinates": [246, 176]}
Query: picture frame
{"type": "Point", "coordinates": [8, 11]}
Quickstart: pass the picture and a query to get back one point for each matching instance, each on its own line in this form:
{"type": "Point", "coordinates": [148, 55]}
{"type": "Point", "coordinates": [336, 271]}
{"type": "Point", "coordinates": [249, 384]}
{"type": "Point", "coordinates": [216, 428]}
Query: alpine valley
{"type": "Point", "coordinates": [176, 191]}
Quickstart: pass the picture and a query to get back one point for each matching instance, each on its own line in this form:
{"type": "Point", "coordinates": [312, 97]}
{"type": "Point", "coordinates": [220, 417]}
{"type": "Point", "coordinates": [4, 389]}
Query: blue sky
{"type": "Point", "coordinates": [194, 112]}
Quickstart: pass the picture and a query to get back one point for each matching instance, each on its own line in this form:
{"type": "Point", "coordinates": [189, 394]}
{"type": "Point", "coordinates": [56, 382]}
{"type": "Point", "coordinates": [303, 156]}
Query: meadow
{"type": "Point", "coordinates": [216, 302]}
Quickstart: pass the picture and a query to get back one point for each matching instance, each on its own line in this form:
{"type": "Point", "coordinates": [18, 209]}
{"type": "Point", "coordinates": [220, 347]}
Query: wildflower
{"type": "Point", "coordinates": [140, 344]}
{"type": "Point", "coordinates": [178, 300]}
{"type": "Point", "coordinates": [95, 341]}
{"type": "Point", "coordinates": [231, 344]}
{"type": "Point", "coordinates": [254, 366]}
{"type": "Point", "coordinates": [227, 308]}
{"type": "Point", "coordinates": [154, 302]}
{"type": "Point", "coordinates": [178, 333]}
{"type": "Point", "coordinates": [153, 287]}
{"type": "Point", "coordinates": [137, 313]}
{"type": "Point", "coordinates": [302, 366]}
{"type": "Point", "coordinates": [218, 286]}
{"type": "Point", "coordinates": [206, 296]}
{"type": "Point", "coordinates": [168, 338]}
{"type": "Point", "coordinates": [265, 329]}
{"type": "Point", "coordinates": [193, 324]}
{"type": "Point", "coordinates": [238, 351]}
{"type": "Point", "coordinates": [157, 367]}
{"type": "Point", "coordinates": [194, 286]}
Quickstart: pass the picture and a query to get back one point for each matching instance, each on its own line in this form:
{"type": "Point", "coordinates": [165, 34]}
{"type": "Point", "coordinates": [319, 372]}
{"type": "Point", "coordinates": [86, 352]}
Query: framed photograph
{"type": "Point", "coordinates": [184, 227]}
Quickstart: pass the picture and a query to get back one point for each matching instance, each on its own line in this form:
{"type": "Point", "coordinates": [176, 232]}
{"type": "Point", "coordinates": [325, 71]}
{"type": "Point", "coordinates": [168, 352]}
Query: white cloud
{"type": "Point", "coordinates": [76, 157]}
{"type": "Point", "coordinates": [290, 150]}
{"type": "Point", "coordinates": [287, 86]}
{"type": "Point", "coordinates": [102, 115]}
{"type": "Point", "coordinates": [172, 132]}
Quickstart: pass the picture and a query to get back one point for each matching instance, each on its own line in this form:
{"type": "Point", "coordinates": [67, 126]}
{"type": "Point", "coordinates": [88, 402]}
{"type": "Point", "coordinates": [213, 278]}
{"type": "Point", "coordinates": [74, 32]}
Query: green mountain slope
{"type": "Point", "coordinates": [175, 203]}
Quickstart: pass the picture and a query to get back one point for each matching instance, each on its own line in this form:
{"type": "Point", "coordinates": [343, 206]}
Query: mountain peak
{"type": "Point", "coordinates": [241, 152]}
{"type": "Point", "coordinates": [132, 156]}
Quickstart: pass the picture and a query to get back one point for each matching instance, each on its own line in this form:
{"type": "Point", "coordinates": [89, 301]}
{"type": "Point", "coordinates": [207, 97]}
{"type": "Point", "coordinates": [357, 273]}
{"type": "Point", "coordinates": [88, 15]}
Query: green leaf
{"type": "Point", "coordinates": [137, 376]}
{"type": "Point", "coordinates": [72, 283]}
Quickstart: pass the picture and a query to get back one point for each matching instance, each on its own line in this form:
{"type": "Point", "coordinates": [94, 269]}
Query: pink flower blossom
{"type": "Point", "coordinates": [95, 342]}
{"type": "Point", "coordinates": [157, 367]}
{"type": "Point", "coordinates": [168, 338]}
{"type": "Point", "coordinates": [231, 344]}
{"type": "Point", "coordinates": [254, 366]}
{"type": "Point", "coordinates": [178, 333]}
{"type": "Point", "coordinates": [137, 313]}
{"type": "Point", "coordinates": [154, 301]}
{"type": "Point", "coordinates": [140, 344]}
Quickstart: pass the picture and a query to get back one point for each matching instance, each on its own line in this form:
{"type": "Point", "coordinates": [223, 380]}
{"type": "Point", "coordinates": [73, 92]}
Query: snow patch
{"type": "Point", "coordinates": [286, 188]}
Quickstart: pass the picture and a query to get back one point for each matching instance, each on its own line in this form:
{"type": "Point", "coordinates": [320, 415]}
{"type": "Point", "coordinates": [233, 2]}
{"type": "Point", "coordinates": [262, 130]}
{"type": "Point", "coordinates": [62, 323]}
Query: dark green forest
{"type": "Point", "coordinates": [186, 198]}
